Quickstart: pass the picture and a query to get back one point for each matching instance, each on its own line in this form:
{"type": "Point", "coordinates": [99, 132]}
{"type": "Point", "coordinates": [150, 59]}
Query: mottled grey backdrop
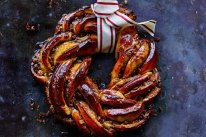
{"type": "Point", "coordinates": [182, 49]}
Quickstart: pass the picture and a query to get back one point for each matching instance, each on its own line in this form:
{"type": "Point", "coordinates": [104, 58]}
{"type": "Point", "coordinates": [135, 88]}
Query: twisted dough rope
{"type": "Point", "coordinates": [62, 64]}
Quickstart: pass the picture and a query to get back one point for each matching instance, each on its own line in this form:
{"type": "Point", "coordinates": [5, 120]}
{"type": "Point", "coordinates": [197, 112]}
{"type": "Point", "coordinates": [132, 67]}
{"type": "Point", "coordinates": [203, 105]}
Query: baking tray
{"type": "Point", "coordinates": [182, 52]}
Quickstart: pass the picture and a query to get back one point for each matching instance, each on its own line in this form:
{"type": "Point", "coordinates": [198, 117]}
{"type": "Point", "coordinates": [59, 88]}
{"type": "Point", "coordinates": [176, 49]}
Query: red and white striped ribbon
{"type": "Point", "coordinates": [108, 18]}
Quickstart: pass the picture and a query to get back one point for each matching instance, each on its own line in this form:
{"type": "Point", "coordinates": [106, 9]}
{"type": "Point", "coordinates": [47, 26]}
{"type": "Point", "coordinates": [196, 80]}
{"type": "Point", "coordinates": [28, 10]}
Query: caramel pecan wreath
{"type": "Point", "coordinates": [62, 63]}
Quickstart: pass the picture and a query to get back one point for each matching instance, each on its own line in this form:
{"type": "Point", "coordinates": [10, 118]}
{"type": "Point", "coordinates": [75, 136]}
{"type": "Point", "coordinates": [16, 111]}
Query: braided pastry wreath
{"type": "Point", "coordinates": [62, 64]}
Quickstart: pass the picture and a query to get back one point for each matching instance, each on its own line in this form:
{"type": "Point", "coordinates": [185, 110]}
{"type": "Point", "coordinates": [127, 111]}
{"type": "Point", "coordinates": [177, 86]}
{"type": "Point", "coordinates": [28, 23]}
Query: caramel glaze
{"type": "Point", "coordinates": [62, 64]}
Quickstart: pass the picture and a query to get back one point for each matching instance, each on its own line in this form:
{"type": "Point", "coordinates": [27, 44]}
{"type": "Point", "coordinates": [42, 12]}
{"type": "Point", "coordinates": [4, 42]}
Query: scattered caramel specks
{"type": "Point", "coordinates": [41, 117]}
{"type": "Point", "coordinates": [32, 28]}
{"type": "Point", "coordinates": [52, 3]}
{"type": "Point", "coordinates": [157, 39]}
{"type": "Point", "coordinates": [33, 105]}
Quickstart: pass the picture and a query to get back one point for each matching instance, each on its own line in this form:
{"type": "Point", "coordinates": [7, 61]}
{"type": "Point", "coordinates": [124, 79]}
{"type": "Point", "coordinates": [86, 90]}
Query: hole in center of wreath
{"type": "Point", "coordinates": [103, 63]}
{"type": "Point", "coordinates": [100, 69]}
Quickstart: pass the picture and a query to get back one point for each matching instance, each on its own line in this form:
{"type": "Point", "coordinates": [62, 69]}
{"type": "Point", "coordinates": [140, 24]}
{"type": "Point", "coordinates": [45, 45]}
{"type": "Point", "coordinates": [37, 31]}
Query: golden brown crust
{"type": "Point", "coordinates": [79, 20]}
{"type": "Point", "coordinates": [62, 64]}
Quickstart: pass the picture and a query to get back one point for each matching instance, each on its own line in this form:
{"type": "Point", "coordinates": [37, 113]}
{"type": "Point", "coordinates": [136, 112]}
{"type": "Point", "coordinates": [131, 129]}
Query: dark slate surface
{"type": "Point", "coordinates": [181, 26]}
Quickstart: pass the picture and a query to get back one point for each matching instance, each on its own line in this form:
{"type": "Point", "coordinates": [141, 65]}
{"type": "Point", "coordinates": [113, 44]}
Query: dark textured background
{"type": "Point", "coordinates": [182, 28]}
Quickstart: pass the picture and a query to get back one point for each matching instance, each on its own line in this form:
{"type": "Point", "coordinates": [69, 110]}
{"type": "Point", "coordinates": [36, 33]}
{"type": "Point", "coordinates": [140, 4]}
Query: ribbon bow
{"type": "Point", "coordinates": [108, 18]}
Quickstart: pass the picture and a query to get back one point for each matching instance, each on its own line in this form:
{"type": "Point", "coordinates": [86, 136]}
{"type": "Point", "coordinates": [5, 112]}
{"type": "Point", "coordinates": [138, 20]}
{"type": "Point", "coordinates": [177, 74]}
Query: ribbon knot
{"type": "Point", "coordinates": [108, 18]}
{"type": "Point", "coordinates": [105, 8]}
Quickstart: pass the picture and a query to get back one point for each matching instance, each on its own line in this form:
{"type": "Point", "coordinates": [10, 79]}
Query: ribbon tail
{"type": "Point", "coordinates": [106, 36]}
{"type": "Point", "coordinates": [108, 18]}
{"type": "Point", "coordinates": [148, 26]}
{"type": "Point", "coordinates": [121, 20]}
